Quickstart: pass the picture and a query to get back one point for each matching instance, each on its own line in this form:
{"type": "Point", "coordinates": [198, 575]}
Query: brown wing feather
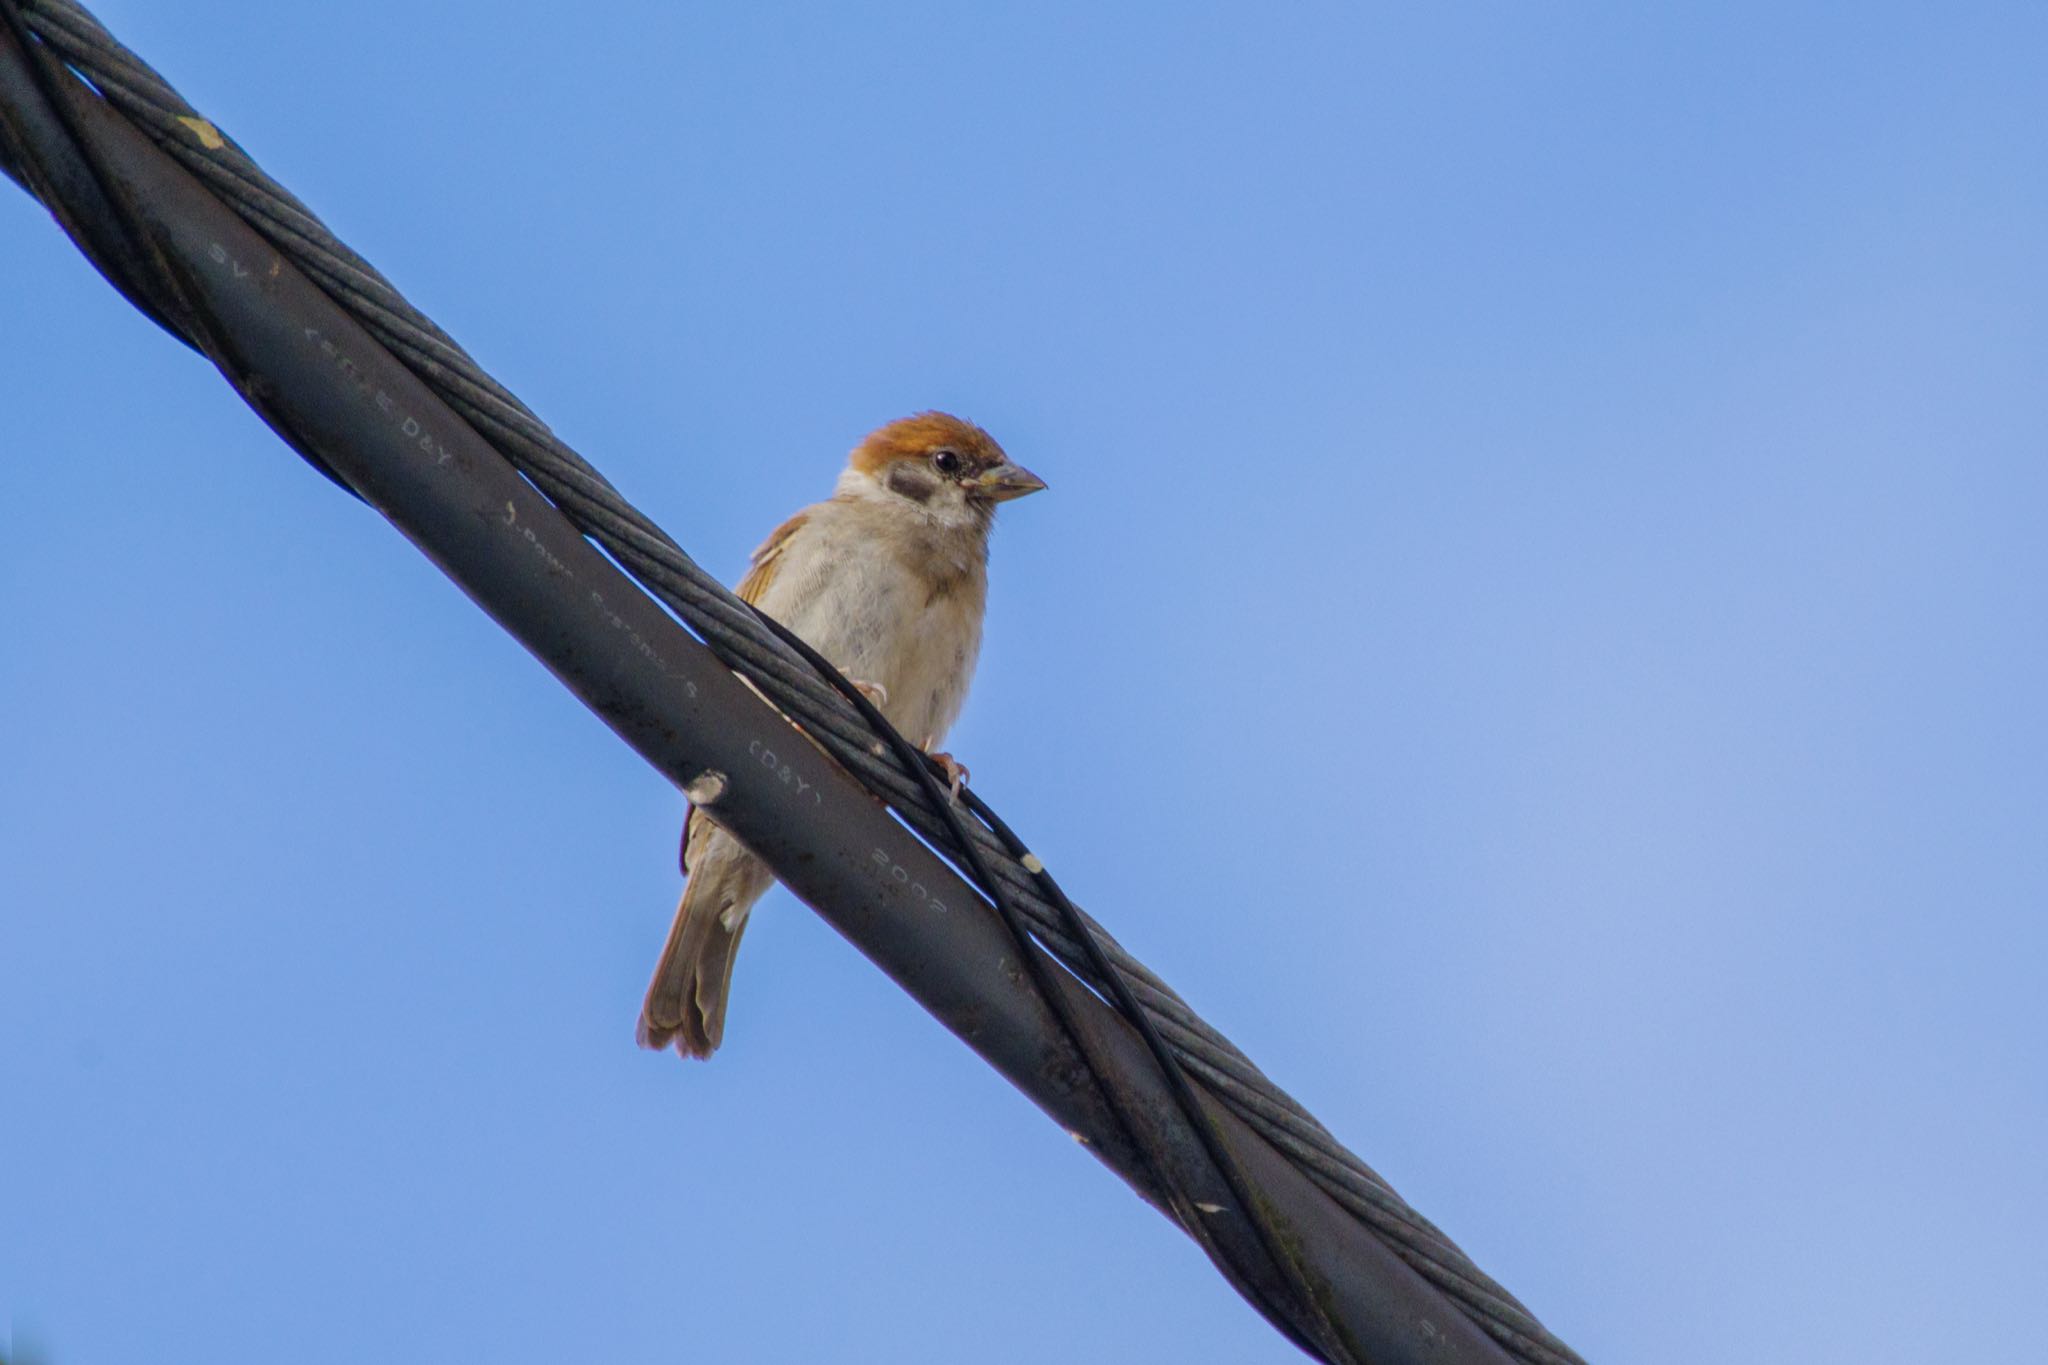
{"type": "Point", "coordinates": [690, 822]}
{"type": "Point", "coordinates": [760, 573]}
{"type": "Point", "coordinates": [766, 560]}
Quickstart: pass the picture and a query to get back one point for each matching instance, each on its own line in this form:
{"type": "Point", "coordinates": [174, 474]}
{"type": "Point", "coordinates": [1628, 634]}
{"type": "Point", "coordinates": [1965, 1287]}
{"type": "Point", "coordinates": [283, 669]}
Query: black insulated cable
{"type": "Point", "coordinates": [896, 774]}
{"type": "Point", "coordinates": [1325, 1341]}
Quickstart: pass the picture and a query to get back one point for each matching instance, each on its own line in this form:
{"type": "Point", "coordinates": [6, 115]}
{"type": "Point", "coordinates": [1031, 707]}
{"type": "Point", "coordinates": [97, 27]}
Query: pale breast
{"type": "Point", "coordinates": [890, 603]}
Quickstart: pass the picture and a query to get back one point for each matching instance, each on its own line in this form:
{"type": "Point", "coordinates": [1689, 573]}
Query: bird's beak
{"type": "Point", "coordinates": [1006, 481]}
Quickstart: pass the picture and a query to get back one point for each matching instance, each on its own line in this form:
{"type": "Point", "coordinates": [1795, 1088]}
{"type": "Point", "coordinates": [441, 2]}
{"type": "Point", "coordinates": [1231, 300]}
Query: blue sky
{"type": "Point", "coordinates": [1537, 631]}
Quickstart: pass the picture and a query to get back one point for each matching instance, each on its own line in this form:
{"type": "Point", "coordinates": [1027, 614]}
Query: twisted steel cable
{"type": "Point", "coordinates": [741, 639]}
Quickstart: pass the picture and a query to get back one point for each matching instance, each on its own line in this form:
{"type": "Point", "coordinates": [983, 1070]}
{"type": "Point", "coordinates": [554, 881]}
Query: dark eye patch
{"type": "Point", "coordinates": [912, 481]}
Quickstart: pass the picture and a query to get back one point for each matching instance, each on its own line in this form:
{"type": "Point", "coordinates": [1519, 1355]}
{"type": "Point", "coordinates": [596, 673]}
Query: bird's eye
{"type": "Point", "coordinates": [946, 461]}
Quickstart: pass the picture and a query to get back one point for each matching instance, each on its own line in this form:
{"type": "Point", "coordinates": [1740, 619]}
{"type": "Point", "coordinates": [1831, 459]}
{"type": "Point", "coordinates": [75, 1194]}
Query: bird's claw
{"type": "Point", "coordinates": [956, 773]}
{"type": "Point", "coordinates": [873, 691]}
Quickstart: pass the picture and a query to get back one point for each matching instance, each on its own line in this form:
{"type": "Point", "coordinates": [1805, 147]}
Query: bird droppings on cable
{"type": "Point", "coordinates": [706, 787]}
{"type": "Point", "coordinates": [1031, 864]}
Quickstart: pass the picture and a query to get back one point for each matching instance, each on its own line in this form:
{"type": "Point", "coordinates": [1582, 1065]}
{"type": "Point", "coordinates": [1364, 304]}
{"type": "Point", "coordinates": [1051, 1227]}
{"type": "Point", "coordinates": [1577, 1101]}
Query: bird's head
{"type": "Point", "coordinates": [952, 471]}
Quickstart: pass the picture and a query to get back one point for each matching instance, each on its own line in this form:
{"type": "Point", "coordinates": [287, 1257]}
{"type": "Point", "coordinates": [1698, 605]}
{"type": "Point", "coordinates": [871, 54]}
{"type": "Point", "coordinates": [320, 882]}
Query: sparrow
{"type": "Point", "coordinates": [887, 579]}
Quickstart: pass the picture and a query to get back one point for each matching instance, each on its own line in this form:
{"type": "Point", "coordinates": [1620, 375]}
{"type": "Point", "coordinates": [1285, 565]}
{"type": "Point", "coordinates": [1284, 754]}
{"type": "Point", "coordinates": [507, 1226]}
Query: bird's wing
{"type": "Point", "coordinates": [760, 573]}
{"type": "Point", "coordinates": [696, 829]}
{"type": "Point", "coordinates": [767, 559]}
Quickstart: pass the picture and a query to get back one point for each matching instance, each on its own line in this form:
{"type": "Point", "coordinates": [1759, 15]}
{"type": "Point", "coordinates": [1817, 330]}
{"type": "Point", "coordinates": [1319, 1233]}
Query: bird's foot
{"type": "Point", "coordinates": [955, 770]}
{"type": "Point", "coordinates": [873, 691]}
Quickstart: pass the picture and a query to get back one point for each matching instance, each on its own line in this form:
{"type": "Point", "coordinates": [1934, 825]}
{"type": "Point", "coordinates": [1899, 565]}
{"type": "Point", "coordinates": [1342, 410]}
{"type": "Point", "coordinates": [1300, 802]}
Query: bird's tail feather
{"type": "Point", "coordinates": [685, 1005]}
